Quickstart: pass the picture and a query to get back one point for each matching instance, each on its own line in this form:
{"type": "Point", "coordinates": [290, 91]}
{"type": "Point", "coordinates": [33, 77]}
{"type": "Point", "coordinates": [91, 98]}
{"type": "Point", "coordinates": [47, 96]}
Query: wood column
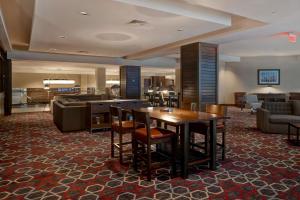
{"type": "Point", "coordinates": [130, 82]}
{"type": "Point", "coordinates": [2, 65]}
{"type": "Point", "coordinates": [7, 87]}
{"type": "Point", "coordinates": [199, 68]}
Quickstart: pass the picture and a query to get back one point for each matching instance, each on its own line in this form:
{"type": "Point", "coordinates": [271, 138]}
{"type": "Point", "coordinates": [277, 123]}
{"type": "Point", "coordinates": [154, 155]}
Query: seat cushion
{"type": "Point", "coordinates": [156, 133]}
{"type": "Point", "coordinates": [284, 119]}
{"type": "Point", "coordinates": [255, 105]}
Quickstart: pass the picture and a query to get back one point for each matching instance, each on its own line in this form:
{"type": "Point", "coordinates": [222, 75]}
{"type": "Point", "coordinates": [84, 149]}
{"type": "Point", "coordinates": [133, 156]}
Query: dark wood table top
{"type": "Point", "coordinates": [179, 116]}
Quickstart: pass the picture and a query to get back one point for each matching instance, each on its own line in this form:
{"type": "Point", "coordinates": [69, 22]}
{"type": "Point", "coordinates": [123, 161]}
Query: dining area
{"type": "Point", "coordinates": [162, 98]}
{"type": "Point", "coordinates": [156, 137]}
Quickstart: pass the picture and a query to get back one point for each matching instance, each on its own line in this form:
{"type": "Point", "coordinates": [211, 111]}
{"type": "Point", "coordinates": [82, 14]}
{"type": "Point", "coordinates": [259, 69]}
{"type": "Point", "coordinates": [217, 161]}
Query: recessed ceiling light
{"type": "Point", "coordinates": [180, 29]}
{"type": "Point", "coordinates": [274, 12]}
{"type": "Point", "coordinates": [82, 51]}
{"type": "Point", "coordinates": [83, 13]}
{"type": "Point", "coordinates": [137, 22]}
{"type": "Point", "coordinates": [61, 36]}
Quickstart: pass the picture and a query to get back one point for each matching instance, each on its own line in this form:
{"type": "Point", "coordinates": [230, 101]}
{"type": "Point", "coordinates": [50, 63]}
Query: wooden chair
{"type": "Point", "coordinates": [120, 127]}
{"type": "Point", "coordinates": [146, 137]}
{"type": "Point", "coordinates": [203, 128]}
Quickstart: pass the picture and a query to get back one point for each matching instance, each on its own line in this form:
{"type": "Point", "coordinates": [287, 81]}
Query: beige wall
{"type": "Point", "coordinates": [242, 76]}
{"type": "Point", "coordinates": [35, 80]}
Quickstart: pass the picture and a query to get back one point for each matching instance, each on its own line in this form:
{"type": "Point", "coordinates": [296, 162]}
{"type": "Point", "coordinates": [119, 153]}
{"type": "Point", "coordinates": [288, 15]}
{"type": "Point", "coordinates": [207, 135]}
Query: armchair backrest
{"type": "Point", "coordinates": [283, 108]}
{"type": "Point", "coordinates": [251, 98]}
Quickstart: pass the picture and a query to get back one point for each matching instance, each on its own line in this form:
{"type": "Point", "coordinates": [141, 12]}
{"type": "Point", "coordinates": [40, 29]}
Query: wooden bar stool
{"type": "Point", "coordinates": [120, 127]}
{"type": "Point", "coordinates": [151, 136]}
{"type": "Point", "coordinates": [203, 128]}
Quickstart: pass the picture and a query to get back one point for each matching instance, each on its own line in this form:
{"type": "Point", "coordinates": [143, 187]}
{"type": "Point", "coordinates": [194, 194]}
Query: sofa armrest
{"type": "Point", "coordinates": [262, 119]}
{"type": "Point", "coordinates": [69, 118]}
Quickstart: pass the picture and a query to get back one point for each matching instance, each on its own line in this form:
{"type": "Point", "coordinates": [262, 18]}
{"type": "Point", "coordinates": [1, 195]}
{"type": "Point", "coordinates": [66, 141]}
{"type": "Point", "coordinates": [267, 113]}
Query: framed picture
{"type": "Point", "coordinates": [268, 76]}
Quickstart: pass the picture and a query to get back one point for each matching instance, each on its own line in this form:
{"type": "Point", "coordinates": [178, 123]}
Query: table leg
{"type": "Point", "coordinates": [185, 148]}
{"type": "Point", "coordinates": [297, 136]}
{"type": "Point", "coordinates": [213, 141]}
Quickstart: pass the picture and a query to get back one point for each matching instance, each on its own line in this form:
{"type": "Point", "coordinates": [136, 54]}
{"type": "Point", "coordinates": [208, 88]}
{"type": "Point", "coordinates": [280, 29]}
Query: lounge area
{"type": "Point", "coordinates": [140, 100]}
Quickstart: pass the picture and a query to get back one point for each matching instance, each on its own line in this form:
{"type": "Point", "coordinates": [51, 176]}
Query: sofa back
{"type": "Point", "coordinates": [79, 100]}
{"type": "Point", "coordinates": [282, 108]}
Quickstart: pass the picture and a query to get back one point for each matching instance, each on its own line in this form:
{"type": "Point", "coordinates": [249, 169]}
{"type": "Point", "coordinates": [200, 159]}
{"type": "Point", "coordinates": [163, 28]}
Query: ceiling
{"type": "Point", "coordinates": [280, 16]}
{"type": "Point", "coordinates": [104, 30]}
{"type": "Point", "coordinates": [18, 15]}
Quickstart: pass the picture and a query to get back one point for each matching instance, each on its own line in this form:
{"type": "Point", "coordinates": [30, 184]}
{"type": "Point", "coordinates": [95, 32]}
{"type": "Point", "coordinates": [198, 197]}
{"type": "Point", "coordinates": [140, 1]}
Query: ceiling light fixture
{"type": "Point", "coordinates": [137, 22]}
{"type": "Point", "coordinates": [57, 81]}
{"type": "Point", "coordinates": [180, 29]}
{"type": "Point", "coordinates": [82, 52]}
{"type": "Point", "coordinates": [83, 13]}
{"type": "Point", "coordinates": [61, 36]}
{"type": "Point", "coordinates": [113, 82]}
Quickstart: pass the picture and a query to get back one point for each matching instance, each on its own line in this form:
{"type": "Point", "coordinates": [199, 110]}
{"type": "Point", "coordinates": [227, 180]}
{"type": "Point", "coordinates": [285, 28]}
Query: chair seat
{"type": "Point", "coordinates": [125, 124]}
{"type": "Point", "coordinates": [156, 134]}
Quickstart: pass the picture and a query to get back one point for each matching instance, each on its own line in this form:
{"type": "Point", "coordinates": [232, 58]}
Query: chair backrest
{"type": "Point", "coordinates": [251, 98]}
{"type": "Point", "coordinates": [115, 114]}
{"type": "Point", "coordinates": [218, 110]}
{"type": "Point", "coordinates": [141, 118]}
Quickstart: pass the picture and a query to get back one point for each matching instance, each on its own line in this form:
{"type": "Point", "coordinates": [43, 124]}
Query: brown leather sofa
{"type": "Point", "coordinates": [69, 111]}
{"type": "Point", "coordinates": [274, 117]}
{"type": "Point", "coordinates": [72, 113]}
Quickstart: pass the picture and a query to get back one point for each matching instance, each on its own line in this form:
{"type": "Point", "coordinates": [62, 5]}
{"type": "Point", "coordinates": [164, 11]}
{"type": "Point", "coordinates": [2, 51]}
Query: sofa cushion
{"type": "Point", "coordinates": [280, 108]}
{"type": "Point", "coordinates": [296, 107]}
{"type": "Point", "coordinates": [284, 119]}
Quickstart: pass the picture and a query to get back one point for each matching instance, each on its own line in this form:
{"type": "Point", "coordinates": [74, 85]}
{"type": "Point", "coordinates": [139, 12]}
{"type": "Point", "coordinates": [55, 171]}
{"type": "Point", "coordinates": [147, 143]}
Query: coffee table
{"type": "Point", "coordinates": [296, 126]}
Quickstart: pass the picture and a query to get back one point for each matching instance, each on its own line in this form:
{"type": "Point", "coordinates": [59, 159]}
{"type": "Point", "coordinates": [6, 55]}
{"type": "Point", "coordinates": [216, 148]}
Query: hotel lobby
{"type": "Point", "coordinates": [130, 99]}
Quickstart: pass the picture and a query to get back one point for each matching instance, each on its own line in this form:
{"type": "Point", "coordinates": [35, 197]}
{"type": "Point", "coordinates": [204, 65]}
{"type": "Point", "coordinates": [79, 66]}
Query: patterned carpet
{"type": "Point", "coordinates": [39, 162]}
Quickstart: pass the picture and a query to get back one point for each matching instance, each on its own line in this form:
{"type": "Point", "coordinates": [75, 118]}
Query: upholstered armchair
{"type": "Point", "coordinates": [274, 117]}
{"type": "Point", "coordinates": [252, 102]}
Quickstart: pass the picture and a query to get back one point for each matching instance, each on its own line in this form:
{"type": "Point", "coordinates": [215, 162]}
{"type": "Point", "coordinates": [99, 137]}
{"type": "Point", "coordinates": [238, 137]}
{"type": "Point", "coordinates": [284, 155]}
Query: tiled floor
{"type": "Point", "coordinates": [37, 161]}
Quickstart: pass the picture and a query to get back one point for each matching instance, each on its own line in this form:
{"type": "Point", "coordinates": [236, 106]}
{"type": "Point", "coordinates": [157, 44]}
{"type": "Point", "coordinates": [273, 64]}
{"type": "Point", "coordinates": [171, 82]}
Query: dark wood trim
{"type": "Point", "coordinates": [7, 87]}
{"type": "Point", "coordinates": [199, 75]}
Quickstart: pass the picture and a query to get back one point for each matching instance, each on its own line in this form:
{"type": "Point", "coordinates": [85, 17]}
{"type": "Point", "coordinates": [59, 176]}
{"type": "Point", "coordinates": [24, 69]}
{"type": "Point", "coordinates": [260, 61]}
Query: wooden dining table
{"type": "Point", "coordinates": [182, 118]}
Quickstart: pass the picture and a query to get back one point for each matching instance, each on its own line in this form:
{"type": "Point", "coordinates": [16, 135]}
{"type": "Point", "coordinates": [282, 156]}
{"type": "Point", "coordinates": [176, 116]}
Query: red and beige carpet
{"type": "Point", "coordinates": [37, 161]}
